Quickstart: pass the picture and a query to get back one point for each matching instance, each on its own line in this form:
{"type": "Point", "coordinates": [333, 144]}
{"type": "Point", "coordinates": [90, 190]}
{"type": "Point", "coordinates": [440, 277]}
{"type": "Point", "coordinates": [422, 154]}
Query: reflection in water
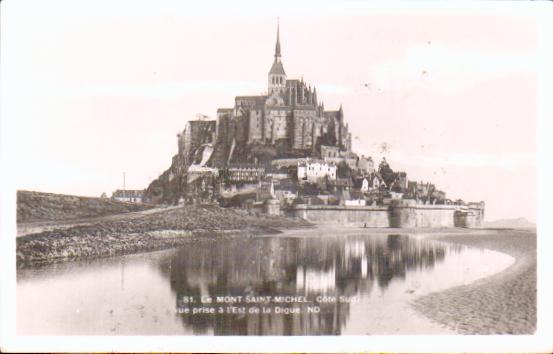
{"type": "Point", "coordinates": [142, 294]}
{"type": "Point", "coordinates": [310, 267]}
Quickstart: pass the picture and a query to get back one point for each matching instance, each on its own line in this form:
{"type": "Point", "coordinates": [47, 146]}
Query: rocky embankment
{"type": "Point", "coordinates": [38, 206]}
{"type": "Point", "coordinates": [165, 229]}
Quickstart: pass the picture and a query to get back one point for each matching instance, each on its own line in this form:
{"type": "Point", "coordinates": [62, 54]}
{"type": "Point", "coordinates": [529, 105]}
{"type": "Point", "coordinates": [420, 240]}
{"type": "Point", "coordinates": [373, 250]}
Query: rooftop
{"type": "Point", "coordinates": [128, 193]}
{"type": "Point", "coordinates": [277, 68]}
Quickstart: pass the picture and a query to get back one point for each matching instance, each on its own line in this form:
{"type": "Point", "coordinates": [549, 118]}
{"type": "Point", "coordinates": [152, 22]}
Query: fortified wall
{"type": "Point", "coordinates": [470, 216]}
{"type": "Point", "coordinates": [394, 216]}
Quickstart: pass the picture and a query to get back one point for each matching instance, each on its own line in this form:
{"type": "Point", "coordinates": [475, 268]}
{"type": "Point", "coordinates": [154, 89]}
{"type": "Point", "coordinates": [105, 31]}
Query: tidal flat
{"type": "Point", "coordinates": [504, 303]}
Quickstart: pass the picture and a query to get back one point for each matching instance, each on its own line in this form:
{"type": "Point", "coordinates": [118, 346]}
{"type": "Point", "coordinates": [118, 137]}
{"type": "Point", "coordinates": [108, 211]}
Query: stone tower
{"type": "Point", "coordinates": [277, 75]}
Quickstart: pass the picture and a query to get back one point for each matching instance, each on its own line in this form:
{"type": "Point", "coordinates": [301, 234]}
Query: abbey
{"type": "Point", "coordinates": [283, 152]}
{"type": "Point", "coordinates": [290, 114]}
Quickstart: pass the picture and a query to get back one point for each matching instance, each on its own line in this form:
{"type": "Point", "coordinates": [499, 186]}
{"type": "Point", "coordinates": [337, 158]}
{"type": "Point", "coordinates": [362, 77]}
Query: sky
{"type": "Point", "coordinates": [95, 89]}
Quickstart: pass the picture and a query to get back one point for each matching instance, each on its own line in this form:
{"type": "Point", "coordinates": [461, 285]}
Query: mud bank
{"type": "Point", "coordinates": [504, 303]}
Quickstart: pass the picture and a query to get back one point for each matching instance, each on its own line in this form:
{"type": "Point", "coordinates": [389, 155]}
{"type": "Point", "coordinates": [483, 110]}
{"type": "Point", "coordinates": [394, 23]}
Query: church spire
{"type": "Point", "coordinates": [277, 75]}
{"type": "Point", "coordinates": [277, 46]}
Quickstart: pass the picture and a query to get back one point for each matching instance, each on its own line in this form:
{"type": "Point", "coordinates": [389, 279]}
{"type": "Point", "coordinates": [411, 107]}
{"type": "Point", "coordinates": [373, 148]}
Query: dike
{"type": "Point", "coordinates": [38, 206]}
{"type": "Point", "coordinates": [166, 229]}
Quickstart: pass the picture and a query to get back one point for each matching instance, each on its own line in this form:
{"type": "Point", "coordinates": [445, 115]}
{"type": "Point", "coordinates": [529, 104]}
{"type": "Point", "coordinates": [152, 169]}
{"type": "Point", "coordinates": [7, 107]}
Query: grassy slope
{"type": "Point", "coordinates": [38, 206]}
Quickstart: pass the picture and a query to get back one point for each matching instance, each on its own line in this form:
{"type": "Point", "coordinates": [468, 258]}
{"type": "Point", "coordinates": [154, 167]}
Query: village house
{"type": "Point", "coordinates": [365, 185]}
{"type": "Point", "coordinates": [365, 165]}
{"type": "Point", "coordinates": [439, 196]}
{"type": "Point", "coordinates": [375, 182]}
{"type": "Point", "coordinates": [128, 195]}
{"type": "Point", "coordinates": [286, 191]}
{"type": "Point", "coordinates": [412, 188]}
{"type": "Point", "coordinates": [285, 196]}
{"type": "Point", "coordinates": [355, 202]}
{"type": "Point", "coordinates": [343, 183]}
{"type": "Point", "coordinates": [265, 190]}
{"type": "Point", "coordinates": [351, 198]}
{"type": "Point", "coordinates": [401, 181]}
{"type": "Point", "coordinates": [333, 154]}
{"type": "Point", "coordinates": [329, 152]}
{"type": "Point", "coordinates": [312, 170]}
{"type": "Point", "coordinates": [201, 189]}
{"type": "Point", "coordinates": [243, 173]}
{"type": "Point", "coordinates": [277, 175]}
{"type": "Point", "coordinates": [396, 195]}
{"type": "Point", "coordinates": [196, 171]}
{"type": "Point", "coordinates": [424, 189]}
{"type": "Point", "coordinates": [361, 183]}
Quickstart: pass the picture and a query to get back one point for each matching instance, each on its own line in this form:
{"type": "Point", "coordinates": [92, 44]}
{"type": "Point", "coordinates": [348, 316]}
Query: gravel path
{"type": "Point", "coordinates": [504, 303]}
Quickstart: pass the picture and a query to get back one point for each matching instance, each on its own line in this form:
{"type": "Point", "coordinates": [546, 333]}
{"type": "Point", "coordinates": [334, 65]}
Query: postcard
{"type": "Point", "coordinates": [246, 176]}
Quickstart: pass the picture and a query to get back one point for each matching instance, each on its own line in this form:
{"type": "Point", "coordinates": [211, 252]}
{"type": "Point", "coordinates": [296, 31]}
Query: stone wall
{"type": "Point", "coordinates": [414, 216]}
{"type": "Point", "coordinates": [303, 128]}
{"type": "Point", "coordinates": [372, 216]}
{"type": "Point", "coordinates": [469, 217]}
{"type": "Point", "coordinates": [272, 207]}
{"type": "Point", "coordinates": [422, 216]}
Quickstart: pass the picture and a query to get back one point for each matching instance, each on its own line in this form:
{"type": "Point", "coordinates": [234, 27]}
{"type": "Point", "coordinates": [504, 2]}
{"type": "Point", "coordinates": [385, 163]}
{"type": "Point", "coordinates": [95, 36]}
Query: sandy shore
{"type": "Point", "coordinates": [504, 303]}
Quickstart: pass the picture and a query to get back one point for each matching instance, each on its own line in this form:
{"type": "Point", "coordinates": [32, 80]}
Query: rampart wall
{"type": "Point", "coordinates": [469, 217]}
{"type": "Point", "coordinates": [412, 216]}
{"type": "Point", "coordinates": [372, 216]}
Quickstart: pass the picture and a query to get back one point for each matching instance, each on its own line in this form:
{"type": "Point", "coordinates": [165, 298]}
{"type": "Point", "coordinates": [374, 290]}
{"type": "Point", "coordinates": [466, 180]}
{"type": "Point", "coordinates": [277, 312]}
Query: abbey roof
{"type": "Point", "coordinates": [277, 68]}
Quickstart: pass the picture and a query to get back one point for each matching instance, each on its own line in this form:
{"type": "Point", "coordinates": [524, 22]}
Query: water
{"type": "Point", "coordinates": [336, 284]}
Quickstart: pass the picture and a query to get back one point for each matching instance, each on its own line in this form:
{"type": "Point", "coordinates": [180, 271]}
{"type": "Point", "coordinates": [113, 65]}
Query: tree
{"type": "Point", "coordinates": [263, 153]}
{"type": "Point", "coordinates": [343, 170]}
{"type": "Point", "coordinates": [224, 176]}
{"type": "Point", "coordinates": [292, 172]}
{"type": "Point", "coordinates": [387, 174]}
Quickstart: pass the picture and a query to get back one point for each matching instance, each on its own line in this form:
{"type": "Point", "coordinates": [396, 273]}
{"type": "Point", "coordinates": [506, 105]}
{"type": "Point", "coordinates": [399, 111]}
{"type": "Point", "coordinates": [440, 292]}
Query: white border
{"type": "Point", "coordinates": [542, 341]}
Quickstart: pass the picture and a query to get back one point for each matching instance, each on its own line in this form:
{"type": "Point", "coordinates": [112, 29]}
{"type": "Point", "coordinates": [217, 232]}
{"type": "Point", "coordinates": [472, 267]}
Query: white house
{"type": "Point", "coordinates": [365, 185]}
{"type": "Point", "coordinates": [396, 195]}
{"type": "Point", "coordinates": [355, 202]}
{"type": "Point", "coordinates": [127, 195]}
{"type": "Point", "coordinates": [312, 170]}
{"type": "Point", "coordinates": [375, 182]}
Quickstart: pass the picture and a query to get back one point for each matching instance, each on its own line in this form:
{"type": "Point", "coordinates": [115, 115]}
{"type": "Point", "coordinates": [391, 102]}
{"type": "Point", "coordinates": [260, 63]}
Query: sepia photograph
{"type": "Point", "coordinates": [331, 175]}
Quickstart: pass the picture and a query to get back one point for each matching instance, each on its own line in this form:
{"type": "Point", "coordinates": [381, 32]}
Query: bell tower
{"type": "Point", "coordinates": [277, 75]}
